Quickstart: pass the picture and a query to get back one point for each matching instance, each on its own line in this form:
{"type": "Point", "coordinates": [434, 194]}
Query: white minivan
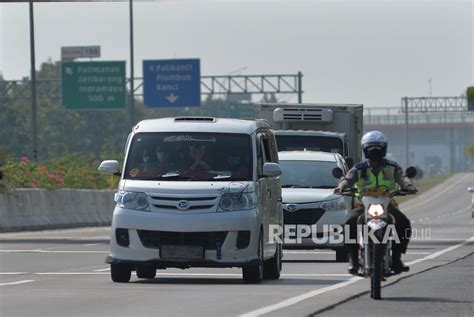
{"type": "Point", "coordinates": [197, 192]}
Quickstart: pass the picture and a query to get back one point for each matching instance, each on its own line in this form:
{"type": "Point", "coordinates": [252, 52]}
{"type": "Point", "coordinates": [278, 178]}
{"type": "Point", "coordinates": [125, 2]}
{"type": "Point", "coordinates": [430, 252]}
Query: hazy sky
{"type": "Point", "coordinates": [370, 52]}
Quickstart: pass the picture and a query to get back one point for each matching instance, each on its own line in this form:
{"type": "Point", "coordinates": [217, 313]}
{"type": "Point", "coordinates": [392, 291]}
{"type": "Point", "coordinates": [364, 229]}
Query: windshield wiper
{"type": "Point", "coordinates": [214, 178]}
{"type": "Point", "coordinates": [221, 176]}
{"type": "Point", "coordinates": [295, 186]}
{"type": "Point", "coordinates": [173, 176]}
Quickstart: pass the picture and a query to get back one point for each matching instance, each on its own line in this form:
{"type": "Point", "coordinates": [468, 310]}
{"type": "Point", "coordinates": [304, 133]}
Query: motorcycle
{"type": "Point", "coordinates": [375, 251]}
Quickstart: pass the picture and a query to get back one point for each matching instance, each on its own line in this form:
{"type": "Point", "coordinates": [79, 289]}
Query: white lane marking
{"type": "Point", "coordinates": [294, 300]}
{"type": "Point", "coordinates": [299, 298]}
{"type": "Point", "coordinates": [52, 251]}
{"type": "Point", "coordinates": [16, 283]}
{"type": "Point", "coordinates": [102, 270]}
{"type": "Point", "coordinates": [441, 252]}
{"type": "Point", "coordinates": [90, 244]}
{"type": "Point", "coordinates": [418, 253]}
{"type": "Point", "coordinates": [13, 273]}
{"type": "Point", "coordinates": [446, 214]}
{"type": "Point", "coordinates": [436, 240]}
{"type": "Point", "coordinates": [308, 252]}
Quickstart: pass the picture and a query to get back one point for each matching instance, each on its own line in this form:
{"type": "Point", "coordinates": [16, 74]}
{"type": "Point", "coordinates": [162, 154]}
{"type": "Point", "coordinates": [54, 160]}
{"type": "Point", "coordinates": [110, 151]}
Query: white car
{"type": "Point", "coordinates": [308, 198]}
{"type": "Point", "coordinates": [197, 192]}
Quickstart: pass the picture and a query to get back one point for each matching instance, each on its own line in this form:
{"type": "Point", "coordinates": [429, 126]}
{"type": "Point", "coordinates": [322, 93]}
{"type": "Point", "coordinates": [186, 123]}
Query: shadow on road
{"type": "Point", "coordinates": [424, 299]}
{"type": "Point", "coordinates": [234, 281]}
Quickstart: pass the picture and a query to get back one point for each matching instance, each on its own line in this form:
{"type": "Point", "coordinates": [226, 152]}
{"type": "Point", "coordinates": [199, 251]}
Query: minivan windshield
{"type": "Point", "coordinates": [189, 156]}
{"type": "Point", "coordinates": [307, 174]}
{"type": "Point", "coordinates": [309, 143]}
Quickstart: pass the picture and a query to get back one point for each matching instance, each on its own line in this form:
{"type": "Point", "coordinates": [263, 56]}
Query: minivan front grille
{"type": "Point", "coordinates": [155, 239]}
{"type": "Point", "coordinates": [184, 203]}
{"type": "Point", "coordinates": [303, 216]}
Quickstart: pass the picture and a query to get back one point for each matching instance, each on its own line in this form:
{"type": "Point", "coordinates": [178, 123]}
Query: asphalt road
{"type": "Point", "coordinates": [443, 291]}
{"type": "Point", "coordinates": [62, 273]}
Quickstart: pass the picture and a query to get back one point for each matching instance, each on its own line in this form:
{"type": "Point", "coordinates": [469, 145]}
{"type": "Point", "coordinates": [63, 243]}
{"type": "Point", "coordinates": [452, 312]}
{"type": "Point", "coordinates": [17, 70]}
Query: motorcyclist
{"type": "Point", "coordinates": [377, 171]}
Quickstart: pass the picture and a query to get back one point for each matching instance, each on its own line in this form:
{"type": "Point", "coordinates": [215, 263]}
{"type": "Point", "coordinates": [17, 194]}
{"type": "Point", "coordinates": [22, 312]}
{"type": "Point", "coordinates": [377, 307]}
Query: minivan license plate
{"type": "Point", "coordinates": [181, 252]}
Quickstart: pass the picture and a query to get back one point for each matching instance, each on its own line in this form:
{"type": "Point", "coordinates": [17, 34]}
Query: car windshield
{"type": "Point", "coordinates": [309, 143]}
{"type": "Point", "coordinates": [308, 174]}
{"type": "Point", "coordinates": [189, 157]}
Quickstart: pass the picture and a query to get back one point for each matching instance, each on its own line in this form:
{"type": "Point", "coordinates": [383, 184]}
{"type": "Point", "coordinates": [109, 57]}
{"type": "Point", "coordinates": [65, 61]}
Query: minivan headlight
{"type": "Point", "coordinates": [238, 201]}
{"type": "Point", "coordinates": [333, 205]}
{"type": "Point", "coordinates": [132, 200]}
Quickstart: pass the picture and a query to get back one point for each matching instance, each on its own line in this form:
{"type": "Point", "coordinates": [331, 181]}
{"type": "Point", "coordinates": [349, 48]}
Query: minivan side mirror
{"type": "Point", "coordinates": [349, 161]}
{"type": "Point", "coordinates": [337, 172]}
{"type": "Point", "coordinates": [271, 170]}
{"type": "Point", "coordinates": [411, 172]}
{"type": "Point", "coordinates": [109, 167]}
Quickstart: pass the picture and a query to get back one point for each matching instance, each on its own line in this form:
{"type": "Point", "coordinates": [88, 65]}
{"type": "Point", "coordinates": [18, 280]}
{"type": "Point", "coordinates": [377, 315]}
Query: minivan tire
{"type": "Point", "coordinates": [146, 271]}
{"type": "Point", "coordinates": [342, 255]}
{"type": "Point", "coordinates": [120, 273]}
{"type": "Point", "coordinates": [253, 274]}
{"type": "Point", "coordinates": [272, 267]}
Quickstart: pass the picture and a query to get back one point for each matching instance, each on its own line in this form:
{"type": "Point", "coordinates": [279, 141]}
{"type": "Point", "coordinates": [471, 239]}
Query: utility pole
{"type": "Point", "coordinates": [407, 139]}
{"type": "Point", "coordinates": [132, 86]}
{"type": "Point", "coordinates": [33, 85]}
{"type": "Point", "coordinates": [300, 87]}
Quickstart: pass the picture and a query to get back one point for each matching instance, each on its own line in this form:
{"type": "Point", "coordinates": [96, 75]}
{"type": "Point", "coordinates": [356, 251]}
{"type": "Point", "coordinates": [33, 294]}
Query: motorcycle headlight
{"type": "Point", "coordinates": [235, 202]}
{"type": "Point", "coordinates": [333, 205]}
{"type": "Point", "coordinates": [376, 210]}
{"type": "Point", "coordinates": [132, 200]}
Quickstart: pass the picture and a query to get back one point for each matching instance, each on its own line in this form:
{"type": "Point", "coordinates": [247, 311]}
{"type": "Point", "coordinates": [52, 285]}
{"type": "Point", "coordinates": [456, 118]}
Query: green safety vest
{"type": "Point", "coordinates": [368, 180]}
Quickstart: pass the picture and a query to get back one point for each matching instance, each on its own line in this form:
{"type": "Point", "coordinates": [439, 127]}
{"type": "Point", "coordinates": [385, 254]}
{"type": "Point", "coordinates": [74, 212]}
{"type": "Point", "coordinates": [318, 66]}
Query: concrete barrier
{"type": "Point", "coordinates": [39, 209]}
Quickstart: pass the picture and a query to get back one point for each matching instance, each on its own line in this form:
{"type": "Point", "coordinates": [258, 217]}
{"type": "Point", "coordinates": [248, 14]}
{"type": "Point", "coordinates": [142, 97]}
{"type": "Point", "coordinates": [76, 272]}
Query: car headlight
{"type": "Point", "coordinates": [238, 201]}
{"type": "Point", "coordinates": [132, 200]}
{"type": "Point", "coordinates": [333, 205]}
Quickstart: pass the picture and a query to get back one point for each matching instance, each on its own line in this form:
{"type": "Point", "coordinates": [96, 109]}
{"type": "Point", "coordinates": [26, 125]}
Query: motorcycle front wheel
{"type": "Point", "coordinates": [377, 271]}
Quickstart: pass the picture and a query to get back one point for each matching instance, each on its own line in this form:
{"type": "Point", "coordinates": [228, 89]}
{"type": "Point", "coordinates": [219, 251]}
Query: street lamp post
{"type": "Point", "coordinates": [132, 86]}
{"type": "Point", "coordinates": [33, 85]}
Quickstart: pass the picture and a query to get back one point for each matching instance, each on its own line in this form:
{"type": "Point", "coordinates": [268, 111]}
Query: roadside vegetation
{"type": "Point", "coordinates": [67, 171]}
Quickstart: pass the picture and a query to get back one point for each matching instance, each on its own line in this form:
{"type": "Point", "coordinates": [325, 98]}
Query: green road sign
{"type": "Point", "coordinates": [93, 85]}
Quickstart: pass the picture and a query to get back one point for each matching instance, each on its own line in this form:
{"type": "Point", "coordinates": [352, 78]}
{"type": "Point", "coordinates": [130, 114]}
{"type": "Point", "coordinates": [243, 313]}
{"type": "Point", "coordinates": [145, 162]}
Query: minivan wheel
{"type": "Point", "coordinates": [120, 273]}
{"type": "Point", "coordinates": [146, 271]}
{"type": "Point", "coordinates": [272, 267]}
{"type": "Point", "coordinates": [254, 274]}
{"type": "Point", "coordinates": [341, 255]}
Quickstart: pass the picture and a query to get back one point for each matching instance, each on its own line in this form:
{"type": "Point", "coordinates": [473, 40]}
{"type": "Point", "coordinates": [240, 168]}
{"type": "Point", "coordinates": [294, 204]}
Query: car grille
{"type": "Point", "coordinates": [208, 240]}
{"type": "Point", "coordinates": [303, 216]}
{"type": "Point", "coordinates": [192, 203]}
